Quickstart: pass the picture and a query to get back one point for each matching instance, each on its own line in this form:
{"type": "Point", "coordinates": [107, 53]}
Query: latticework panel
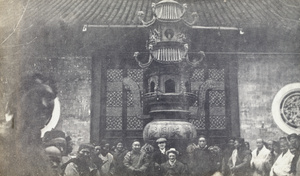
{"type": "Point", "coordinates": [114, 99]}
{"type": "Point", "coordinates": [216, 74]}
{"type": "Point", "coordinates": [129, 99]}
{"type": "Point", "coordinates": [113, 123]}
{"type": "Point", "coordinates": [114, 75]}
{"type": "Point", "coordinates": [133, 123]}
{"type": "Point", "coordinates": [135, 74]}
{"type": "Point", "coordinates": [217, 98]}
{"type": "Point", "coordinates": [217, 122]}
{"type": "Point", "coordinates": [199, 123]}
{"type": "Point", "coordinates": [198, 75]}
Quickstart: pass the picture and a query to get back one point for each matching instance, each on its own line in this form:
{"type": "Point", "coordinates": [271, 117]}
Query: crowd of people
{"type": "Point", "coordinates": [269, 158]}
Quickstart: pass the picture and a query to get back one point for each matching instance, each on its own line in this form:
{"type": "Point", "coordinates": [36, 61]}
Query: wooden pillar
{"type": "Point", "coordinates": [98, 99]}
{"type": "Point", "coordinates": [233, 96]}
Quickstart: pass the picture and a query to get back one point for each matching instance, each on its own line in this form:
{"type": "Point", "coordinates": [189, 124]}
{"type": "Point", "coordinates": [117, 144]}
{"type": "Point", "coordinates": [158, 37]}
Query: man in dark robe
{"type": "Point", "coordinates": [135, 161]}
{"type": "Point", "coordinates": [202, 163]}
{"type": "Point", "coordinates": [159, 155]}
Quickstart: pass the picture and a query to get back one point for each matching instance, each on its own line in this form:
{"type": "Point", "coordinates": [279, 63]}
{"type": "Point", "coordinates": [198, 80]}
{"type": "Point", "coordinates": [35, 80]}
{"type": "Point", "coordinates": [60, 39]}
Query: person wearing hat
{"type": "Point", "coordinates": [172, 167]}
{"type": "Point", "coordinates": [159, 155]}
{"type": "Point", "coordinates": [56, 138]}
{"type": "Point", "coordinates": [81, 165]}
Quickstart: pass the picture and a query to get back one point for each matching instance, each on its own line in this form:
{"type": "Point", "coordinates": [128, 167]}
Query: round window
{"type": "Point", "coordinates": [286, 108]}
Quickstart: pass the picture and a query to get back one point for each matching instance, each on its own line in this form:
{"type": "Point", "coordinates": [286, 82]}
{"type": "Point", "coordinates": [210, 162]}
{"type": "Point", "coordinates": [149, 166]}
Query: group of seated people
{"type": "Point", "coordinates": [274, 158]}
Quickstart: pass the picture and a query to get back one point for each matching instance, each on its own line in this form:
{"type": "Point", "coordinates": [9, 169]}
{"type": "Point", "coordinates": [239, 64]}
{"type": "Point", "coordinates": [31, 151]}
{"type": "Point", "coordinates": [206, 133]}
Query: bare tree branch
{"type": "Point", "coordinates": [23, 44]}
{"type": "Point", "coordinates": [14, 29]}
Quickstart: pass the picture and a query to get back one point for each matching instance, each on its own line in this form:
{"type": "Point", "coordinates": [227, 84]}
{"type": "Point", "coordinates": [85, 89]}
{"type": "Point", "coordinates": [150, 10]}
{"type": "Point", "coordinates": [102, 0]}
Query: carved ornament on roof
{"type": "Point", "coordinates": [168, 40]}
{"type": "Point", "coordinates": [167, 11]}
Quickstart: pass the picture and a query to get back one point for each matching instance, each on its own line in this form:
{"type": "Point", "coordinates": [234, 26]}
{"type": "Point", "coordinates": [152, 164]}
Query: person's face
{"type": "Point", "coordinates": [55, 161]}
{"type": "Point", "coordinates": [294, 141]}
{"type": "Point", "coordinates": [61, 144]}
{"type": "Point", "coordinates": [259, 143]}
{"type": "Point", "coordinates": [105, 149]}
{"type": "Point", "coordinates": [236, 144]}
{"type": "Point", "coordinates": [270, 145]}
{"type": "Point", "coordinates": [231, 143]}
{"type": "Point", "coordinates": [107, 146]}
{"type": "Point", "coordinates": [247, 145]}
{"type": "Point", "coordinates": [284, 146]}
{"type": "Point", "coordinates": [172, 157]}
{"type": "Point", "coordinates": [55, 157]}
{"type": "Point", "coordinates": [120, 146]}
{"type": "Point", "coordinates": [97, 150]}
{"type": "Point", "coordinates": [84, 154]}
{"type": "Point", "coordinates": [202, 142]}
{"type": "Point", "coordinates": [161, 145]}
{"type": "Point", "coordinates": [136, 146]}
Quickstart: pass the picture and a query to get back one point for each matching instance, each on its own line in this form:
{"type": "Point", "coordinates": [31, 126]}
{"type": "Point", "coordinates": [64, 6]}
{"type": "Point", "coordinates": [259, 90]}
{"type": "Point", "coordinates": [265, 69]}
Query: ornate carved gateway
{"type": "Point", "coordinates": [170, 89]}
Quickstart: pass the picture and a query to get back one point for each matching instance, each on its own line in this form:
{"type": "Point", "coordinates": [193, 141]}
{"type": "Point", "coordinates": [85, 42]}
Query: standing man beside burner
{"type": "Point", "coordinates": [202, 160]}
{"type": "Point", "coordinates": [136, 161]}
{"type": "Point", "coordinates": [159, 156]}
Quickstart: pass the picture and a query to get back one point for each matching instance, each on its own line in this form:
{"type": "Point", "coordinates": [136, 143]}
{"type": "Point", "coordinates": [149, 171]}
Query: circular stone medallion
{"type": "Point", "coordinates": [286, 108]}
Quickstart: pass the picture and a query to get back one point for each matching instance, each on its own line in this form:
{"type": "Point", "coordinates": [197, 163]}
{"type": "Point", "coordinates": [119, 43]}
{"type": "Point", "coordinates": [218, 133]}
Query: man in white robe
{"type": "Point", "coordinates": [282, 166]}
{"type": "Point", "coordinates": [260, 157]}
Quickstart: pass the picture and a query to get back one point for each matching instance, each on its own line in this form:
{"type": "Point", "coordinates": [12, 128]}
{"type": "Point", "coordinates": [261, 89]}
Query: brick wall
{"type": "Point", "coordinates": [73, 78]}
{"type": "Point", "coordinates": [260, 77]}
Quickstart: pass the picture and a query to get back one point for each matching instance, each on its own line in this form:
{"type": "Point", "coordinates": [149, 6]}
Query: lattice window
{"type": "Point", "coordinates": [114, 75]}
{"type": "Point", "coordinates": [199, 123]}
{"type": "Point", "coordinates": [135, 74]}
{"type": "Point", "coordinates": [133, 123]}
{"type": "Point", "coordinates": [216, 74]}
{"type": "Point", "coordinates": [218, 122]}
{"type": "Point", "coordinates": [113, 123]}
{"type": "Point", "coordinates": [129, 99]}
{"type": "Point", "coordinates": [114, 99]}
{"type": "Point", "coordinates": [198, 75]}
{"type": "Point", "coordinates": [216, 98]}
